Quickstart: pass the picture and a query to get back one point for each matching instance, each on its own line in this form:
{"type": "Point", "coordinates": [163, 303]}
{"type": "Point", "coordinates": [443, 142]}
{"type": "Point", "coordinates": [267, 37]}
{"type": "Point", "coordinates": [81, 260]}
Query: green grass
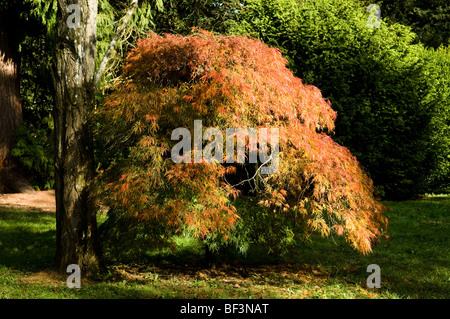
{"type": "Point", "coordinates": [414, 262]}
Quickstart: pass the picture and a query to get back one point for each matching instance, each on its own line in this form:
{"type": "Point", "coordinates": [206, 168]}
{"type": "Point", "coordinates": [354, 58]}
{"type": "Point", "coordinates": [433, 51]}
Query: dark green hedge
{"type": "Point", "coordinates": [392, 96]}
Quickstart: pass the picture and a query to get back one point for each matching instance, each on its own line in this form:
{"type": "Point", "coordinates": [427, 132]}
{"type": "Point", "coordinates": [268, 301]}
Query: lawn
{"type": "Point", "coordinates": [414, 263]}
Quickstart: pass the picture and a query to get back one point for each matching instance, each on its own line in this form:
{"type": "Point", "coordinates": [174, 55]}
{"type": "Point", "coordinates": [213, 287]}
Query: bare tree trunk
{"type": "Point", "coordinates": [11, 181]}
{"type": "Point", "coordinates": [77, 241]}
{"type": "Point", "coordinates": [75, 82]}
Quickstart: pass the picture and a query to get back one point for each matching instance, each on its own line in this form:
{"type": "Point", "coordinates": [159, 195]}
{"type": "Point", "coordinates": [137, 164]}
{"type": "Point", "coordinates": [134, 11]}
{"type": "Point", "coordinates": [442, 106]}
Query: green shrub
{"type": "Point", "coordinates": [34, 150]}
{"type": "Point", "coordinates": [128, 239]}
{"type": "Point", "coordinates": [380, 83]}
{"type": "Point", "coordinates": [439, 75]}
{"type": "Point", "coordinates": [274, 233]}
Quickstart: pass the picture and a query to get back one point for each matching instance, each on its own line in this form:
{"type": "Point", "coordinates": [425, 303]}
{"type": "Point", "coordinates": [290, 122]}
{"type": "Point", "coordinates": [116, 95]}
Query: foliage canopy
{"type": "Point", "coordinates": [230, 82]}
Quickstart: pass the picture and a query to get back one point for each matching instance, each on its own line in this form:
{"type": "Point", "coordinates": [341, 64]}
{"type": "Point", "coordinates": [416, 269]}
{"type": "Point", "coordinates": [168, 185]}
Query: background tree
{"type": "Point", "coordinates": [11, 33]}
{"type": "Point", "coordinates": [34, 149]}
{"type": "Point", "coordinates": [180, 16]}
{"type": "Point", "coordinates": [430, 20]}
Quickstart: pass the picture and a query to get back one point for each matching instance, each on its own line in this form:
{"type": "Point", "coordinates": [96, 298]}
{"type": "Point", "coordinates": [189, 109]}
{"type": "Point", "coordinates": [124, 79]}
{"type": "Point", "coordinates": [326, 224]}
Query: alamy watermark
{"type": "Point", "coordinates": [74, 280]}
{"type": "Point", "coordinates": [374, 280]}
{"type": "Point", "coordinates": [374, 19]}
{"type": "Point", "coordinates": [73, 20]}
{"type": "Point", "coordinates": [213, 151]}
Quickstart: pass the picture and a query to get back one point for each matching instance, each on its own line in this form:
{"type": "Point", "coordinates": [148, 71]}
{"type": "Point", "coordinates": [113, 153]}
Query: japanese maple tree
{"type": "Point", "coordinates": [230, 82]}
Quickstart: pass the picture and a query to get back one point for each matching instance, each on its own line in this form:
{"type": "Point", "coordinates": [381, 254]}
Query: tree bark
{"type": "Point", "coordinates": [11, 180]}
{"type": "Point", "coordinates": [76, 224]}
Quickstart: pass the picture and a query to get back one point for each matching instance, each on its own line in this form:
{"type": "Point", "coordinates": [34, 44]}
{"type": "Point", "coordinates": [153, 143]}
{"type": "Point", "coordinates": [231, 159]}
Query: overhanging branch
{"type": "Point", "coordinates": [251, 178]}
{"type": "Point", "coordinates": [112, 44]}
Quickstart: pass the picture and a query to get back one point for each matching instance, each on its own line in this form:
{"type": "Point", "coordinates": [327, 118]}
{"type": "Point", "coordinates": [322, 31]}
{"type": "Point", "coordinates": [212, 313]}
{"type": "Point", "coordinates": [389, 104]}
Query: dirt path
{"type": "Point", "coordinates": [42, 200]}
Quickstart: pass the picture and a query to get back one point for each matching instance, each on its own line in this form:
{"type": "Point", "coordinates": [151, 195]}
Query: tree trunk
{"type": "Point", "coordinates": [76, 224]}
{"type": "Point", "coordinates": [11, 181]}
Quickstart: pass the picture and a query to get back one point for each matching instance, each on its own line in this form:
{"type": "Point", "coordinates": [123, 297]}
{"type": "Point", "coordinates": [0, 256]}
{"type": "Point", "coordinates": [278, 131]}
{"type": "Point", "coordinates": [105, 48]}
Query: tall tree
{"type": "Point", "coordinates": [10, 104]}
{"type": "Point", "coordinates": [74, 166]}
{"type": "Point", "coordinates": [181, 16]}
{"type": "Point", "coordinates": [75, 82]}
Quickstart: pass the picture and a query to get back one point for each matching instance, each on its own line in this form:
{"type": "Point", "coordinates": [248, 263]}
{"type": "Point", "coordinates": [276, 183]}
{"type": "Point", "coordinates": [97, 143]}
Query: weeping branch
{"type": "Point", "coordinates": [112, 44]}
{"type": "Point", "coordinates": [253, 177]}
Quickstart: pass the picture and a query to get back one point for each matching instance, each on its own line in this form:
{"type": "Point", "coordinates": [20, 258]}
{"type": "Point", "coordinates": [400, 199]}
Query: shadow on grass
{"type": "Point", "coordinates": [27, 239]}
{"type": "Point", "coordinates": [415, 262]}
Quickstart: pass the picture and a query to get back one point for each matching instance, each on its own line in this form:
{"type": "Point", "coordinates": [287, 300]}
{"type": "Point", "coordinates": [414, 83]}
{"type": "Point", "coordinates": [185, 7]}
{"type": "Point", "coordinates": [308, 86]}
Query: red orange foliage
{"type": "Point", "coordinates": [229, 81]}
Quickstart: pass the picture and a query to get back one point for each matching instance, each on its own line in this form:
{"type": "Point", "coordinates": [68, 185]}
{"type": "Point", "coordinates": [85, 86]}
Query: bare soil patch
{"type": "Point", "coordinates": [40, 200]}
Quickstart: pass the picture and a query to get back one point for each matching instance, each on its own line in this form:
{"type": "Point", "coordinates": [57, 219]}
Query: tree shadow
{"type": "Point", "coordinates": [410, 268]}
{"type": "Point", "coordinates": [414, 262]}
{"type": "Point", "coordinates": [27, 240]}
